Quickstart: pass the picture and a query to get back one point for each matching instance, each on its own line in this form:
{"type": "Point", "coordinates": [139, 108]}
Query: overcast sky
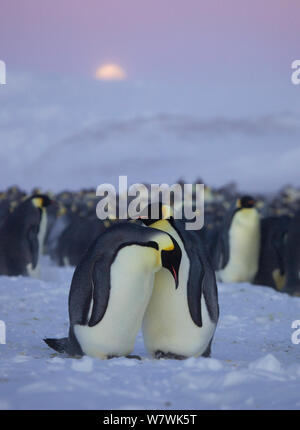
{"type": "Point", "coordinates": [247, 41]}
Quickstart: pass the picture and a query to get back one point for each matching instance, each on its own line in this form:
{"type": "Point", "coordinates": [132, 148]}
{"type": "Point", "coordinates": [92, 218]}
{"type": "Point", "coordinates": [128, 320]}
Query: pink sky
{"type": "Point", "coordinates": [234, 40]}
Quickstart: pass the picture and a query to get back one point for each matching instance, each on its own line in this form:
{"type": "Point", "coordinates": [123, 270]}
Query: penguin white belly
{"type": "Point", "coordinates": [42, 231]}
{"type": "Point", "coordinates": [244, 245]}
{"type": "Point", "coordinates": [167, 325]}
{"type": "Point", "coordinates": [129, 295]}
{"type": "Point", "coordinates": [36, 272]}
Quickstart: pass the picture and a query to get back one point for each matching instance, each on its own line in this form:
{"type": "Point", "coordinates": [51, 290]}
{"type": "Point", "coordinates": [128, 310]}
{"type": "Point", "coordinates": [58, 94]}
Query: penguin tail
{"type": "Point", "coordinates": [59, 345]}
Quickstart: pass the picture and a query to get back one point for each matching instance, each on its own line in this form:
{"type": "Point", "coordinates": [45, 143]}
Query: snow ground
{"type": "Point", "coordinates": [254, 363]}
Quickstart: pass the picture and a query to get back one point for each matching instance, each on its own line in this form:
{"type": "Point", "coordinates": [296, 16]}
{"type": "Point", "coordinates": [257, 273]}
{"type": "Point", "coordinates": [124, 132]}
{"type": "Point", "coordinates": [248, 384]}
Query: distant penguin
{"type": "Point", "coordinates": [181, 322]}
{"type": "Point", "coordinates": [292, 257]}
{"type": "Point", "coordinates": [22, 235]}
{"type": "Point", "coordinates": [58, 219]}
{"type": "Point", "coordinates": [76, 238]}
{"type": "Point", "coordinates": [111, 288]}
{"type": "Point", "coordinates": [237, 252]}
{"type": "Point", "coordinates": [271, 271]}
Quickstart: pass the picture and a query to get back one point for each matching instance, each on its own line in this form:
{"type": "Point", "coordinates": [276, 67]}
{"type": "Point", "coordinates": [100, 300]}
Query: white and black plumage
{"type": "Point", "coordinates": [21, 237]}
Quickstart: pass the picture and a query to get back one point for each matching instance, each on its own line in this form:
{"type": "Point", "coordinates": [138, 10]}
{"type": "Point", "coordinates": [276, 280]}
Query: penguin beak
{"type": "Point", "coordinates": [171, 261]}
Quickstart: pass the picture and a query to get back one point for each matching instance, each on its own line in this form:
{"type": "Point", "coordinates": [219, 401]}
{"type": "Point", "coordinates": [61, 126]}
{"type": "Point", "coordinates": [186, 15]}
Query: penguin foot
{"type": "Point", "coordinates": [291, 292]}
{"type": "Point", "coordinates": [136, 357]}
{"type": "Point", "coordinates": [159, 354]}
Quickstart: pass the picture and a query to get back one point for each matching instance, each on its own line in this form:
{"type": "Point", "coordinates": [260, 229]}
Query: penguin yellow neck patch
{"type": "Point", "coordinates": [161, 224]}
{"type": "Point", "coordinates": [38, 202]}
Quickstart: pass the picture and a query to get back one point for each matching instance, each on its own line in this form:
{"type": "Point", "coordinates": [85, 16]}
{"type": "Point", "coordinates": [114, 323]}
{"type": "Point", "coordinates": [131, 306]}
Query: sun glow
{"type": "Point", "coordinates": [110, 72]}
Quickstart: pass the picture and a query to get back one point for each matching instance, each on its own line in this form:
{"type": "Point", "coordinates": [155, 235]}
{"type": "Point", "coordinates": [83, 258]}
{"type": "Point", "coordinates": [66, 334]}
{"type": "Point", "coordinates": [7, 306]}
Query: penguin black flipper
{"type": "Point", "coordinates": [101, 291]}
{"type": "Point", "coordinates": [80, 300]}
{"type": "Point", "coordinates": [202, 279]}
{"type": "Point", "coordinates": [93, 299]}
{"type": "Point", "coordinates": [96, 281]}
{"type": "Point", "coordinates": [222, 251]}
{"type": "Point", "coordinates": [195, 284]}
{"type": "Point", "coordinates": [208, 282]}
{"type": "Point", "coordinates": [209, 285]}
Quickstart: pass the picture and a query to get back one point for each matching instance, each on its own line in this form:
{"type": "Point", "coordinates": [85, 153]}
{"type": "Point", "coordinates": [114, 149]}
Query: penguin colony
{"type": "Point", "coordinates": [150, 274]}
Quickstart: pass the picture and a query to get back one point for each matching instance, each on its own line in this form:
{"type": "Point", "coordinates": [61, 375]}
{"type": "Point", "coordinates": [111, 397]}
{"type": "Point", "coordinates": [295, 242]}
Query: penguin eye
{"type": "Point", "coordinates": [152, 244]}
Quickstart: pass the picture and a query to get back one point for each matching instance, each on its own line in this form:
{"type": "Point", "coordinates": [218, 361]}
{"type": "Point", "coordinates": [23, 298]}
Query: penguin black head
{"type": "Point", "coordinates": [171, 260]}
{"type": "Point", "coordinates": [246, 202]}
{"type": "Point", "coordinates": [41, 200]}
{"type": "Point", "coordinates": [170, 256]}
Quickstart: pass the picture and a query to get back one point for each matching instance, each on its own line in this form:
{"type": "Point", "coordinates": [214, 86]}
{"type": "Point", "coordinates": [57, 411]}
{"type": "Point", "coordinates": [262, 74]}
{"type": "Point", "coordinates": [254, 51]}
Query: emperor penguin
{"type": "Point", "coordinates": [76, 238]}
{"type": "Point", "coordinates": [111, 288]}
{"type": "Point", "coordinates": [292, 257]}
{"type": "Point", "coordinates": [271, 271]}
{"type": "Point", "coordinates": [22, 235]}
{"type": "Point", "coordinates": [237, 252]}
{"type": "Point", "coordinates": [181, 322]}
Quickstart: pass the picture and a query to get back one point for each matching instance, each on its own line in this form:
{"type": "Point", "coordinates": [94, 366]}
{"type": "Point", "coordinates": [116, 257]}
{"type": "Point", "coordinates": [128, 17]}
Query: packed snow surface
{"type": "Point", "coordinates": [254, 363]}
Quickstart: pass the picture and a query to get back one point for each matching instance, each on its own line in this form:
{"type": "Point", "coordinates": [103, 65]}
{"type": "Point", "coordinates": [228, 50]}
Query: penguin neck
{"type": "Point", "coordinates": [246, 217]}
{"type": "Point", "coordinates": [143, 261]}
{"type": "Point", "coordinates": [163, 225]}
{"type": "Point", "coordinates": [166, 226]}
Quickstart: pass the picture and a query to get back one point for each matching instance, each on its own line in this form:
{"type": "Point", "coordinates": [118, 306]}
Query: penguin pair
{"type": "Point", "coordinates": [114, 290]}
{"type": "Point", "coordinates": [235, 253]}
{"type": "Point", "coordinates": [111, 288]}
{"type": "Point", "coordinates": [22, 236]}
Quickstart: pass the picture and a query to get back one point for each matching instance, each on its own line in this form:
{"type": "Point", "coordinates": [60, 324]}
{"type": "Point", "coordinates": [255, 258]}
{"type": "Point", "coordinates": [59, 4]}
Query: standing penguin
{"type": "Point", "coordinates": [237, 252]}
{"type": "Point", "coordinates": [22, 235]}
{"type": "Point", "coordinates": [271, 270]}
{"type": "Point", "coordinates": [76, 238]}
{"type": "Point", "coordinates": [111, 288]}
{"type": "Point", "coordinates": [292, 257]}
{"type": "Point", "coordinates": [181, 322]}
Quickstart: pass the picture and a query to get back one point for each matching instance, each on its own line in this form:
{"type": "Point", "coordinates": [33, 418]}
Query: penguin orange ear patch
{"type": "Point", "coordinates": [38, 202]}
